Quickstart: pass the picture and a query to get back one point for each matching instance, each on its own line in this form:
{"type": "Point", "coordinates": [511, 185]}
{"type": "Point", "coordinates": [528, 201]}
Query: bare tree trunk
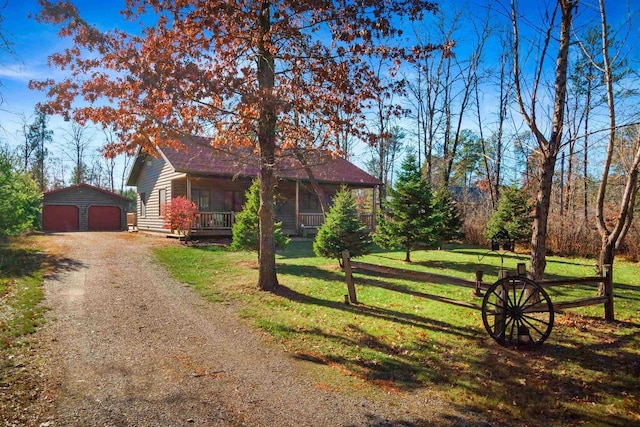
{"type": "Point", "coordinates": [549, 148]}
{"type": "Point", "coordinates": [613, 237]}
{"type": "Point", "coordinates": [267, 279]}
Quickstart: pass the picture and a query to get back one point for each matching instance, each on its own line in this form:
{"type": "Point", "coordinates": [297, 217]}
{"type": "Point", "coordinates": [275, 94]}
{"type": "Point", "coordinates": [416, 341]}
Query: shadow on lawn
{"type": "Point", "coordinates": [566, 381]}
{"type": "Point", "coordinates": [543, 385]}
{"type": "Point", "coordinates": [15, 263]}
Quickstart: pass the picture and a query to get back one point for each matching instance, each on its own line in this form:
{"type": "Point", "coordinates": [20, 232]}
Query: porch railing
{"type": "Point", "coordinates": [225, 220]}
{"type": "Point", "coordinates": [217, 220]}
{"type": "Point", "coordinates": [311, 219]}
{"type": "Point", "coordinates": [317, 219]}
{"type": "Point", "coordinates": [368, 220]}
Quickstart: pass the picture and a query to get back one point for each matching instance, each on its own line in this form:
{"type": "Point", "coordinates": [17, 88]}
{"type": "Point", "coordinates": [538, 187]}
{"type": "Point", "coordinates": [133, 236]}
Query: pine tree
{"type": "Point", "coordinates": [246, 229]}
{"type": "Point", "coordinates": [342, 230]}
{"type": "Point", "coordinates": [446, 216]}
{"type": "Point", "coordinates": [513, 214]}
{"type": "Point", "coordinates": [408, 220]}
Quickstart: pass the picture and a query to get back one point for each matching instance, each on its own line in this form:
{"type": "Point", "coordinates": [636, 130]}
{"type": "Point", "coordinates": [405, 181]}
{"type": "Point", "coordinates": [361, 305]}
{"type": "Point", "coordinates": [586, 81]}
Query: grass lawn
{"type": "Point", "coordinates": [22, 267]}
{"type": "Point", "coordinates": [401, 341]}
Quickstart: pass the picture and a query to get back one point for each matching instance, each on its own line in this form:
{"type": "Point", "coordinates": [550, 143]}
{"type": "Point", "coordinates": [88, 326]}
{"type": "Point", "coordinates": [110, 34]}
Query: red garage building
{"type": "Point", "coordinates": [84, 207]}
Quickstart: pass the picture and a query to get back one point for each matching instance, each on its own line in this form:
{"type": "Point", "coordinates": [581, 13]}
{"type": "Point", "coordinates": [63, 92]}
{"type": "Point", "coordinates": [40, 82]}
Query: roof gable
{"type": "Point", "coordinates": [89, 187]}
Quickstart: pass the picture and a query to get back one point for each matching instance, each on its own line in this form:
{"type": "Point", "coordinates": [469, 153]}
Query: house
{"type": "Point", "coordinates": [216, 181]}
{"type": "Point", "coordinates": [83, 207]}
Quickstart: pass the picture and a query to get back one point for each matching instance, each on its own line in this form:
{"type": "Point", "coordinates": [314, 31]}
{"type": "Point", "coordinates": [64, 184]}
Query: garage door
{"type": "Point", "coordinates": [60, 218]}
{"type": "Point", "coordinates": [104, 218]}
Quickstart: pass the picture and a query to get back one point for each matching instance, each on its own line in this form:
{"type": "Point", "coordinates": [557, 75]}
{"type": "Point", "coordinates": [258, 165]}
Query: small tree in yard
{"type": "Point", "coordinates": [408, 220]}
{"type": "Point", "coordinates": [445, 209]}
{"type": "Point", "coordinates": [246, 228]}
{"type": "Point", "coordinates": [179, 215]}
{"type": "Point", "coordinates": [513, 213]}
{"type": "Point", "coordinates": [342, 230]}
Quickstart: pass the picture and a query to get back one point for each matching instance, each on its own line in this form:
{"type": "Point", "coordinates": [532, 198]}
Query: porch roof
{"type": "Point", "coordinates": [198, 157]}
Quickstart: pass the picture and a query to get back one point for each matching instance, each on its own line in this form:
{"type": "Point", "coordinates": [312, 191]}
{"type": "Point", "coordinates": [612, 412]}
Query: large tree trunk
{"type": "Point", "coordinates": [539, 235]}
{"type": "Point", "coordinates": [267, 279]}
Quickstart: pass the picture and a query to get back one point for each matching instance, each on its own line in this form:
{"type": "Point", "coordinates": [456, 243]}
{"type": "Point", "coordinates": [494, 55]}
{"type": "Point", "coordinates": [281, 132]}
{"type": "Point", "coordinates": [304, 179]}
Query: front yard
{"type": "Point", "coordinates": [400, 340]}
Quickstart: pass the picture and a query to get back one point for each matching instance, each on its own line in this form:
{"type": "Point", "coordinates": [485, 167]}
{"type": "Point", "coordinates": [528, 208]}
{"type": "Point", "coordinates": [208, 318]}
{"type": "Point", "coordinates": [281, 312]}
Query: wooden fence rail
{"type": "Point", "coordinates": [605, 282]}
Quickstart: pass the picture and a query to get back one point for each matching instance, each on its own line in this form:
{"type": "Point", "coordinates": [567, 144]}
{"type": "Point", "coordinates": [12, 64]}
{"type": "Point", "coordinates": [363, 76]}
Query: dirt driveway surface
{"type": "Point", "coordinates": [129, 346]}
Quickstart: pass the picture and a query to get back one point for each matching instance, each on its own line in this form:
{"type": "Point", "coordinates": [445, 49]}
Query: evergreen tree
{"type": "Point", "coordinates": [342, 230]}
{"type": "Point", "coordinates": [38, 135]}
{"type": "Point", "coordinates": [513, 213]}
{"type": "Point", "coordinates": [447, 218]}
{"type": "Point", "coordinates": [246, 229]}
{"type": "Point", "coordinates": [408, 220]}
{"type": "Point", "coordinates": [20, 199]}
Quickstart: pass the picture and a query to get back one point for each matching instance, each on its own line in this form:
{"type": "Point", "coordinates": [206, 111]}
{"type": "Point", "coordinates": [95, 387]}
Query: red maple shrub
{"type": "Point", "coordinates": [179, 215]}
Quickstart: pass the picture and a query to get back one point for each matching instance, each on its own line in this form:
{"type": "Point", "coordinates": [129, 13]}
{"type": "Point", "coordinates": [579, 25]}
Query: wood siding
{"type": "Point", "coordinates": [83, 198]}
{"type": "Point", "coordinates": [155, 174]}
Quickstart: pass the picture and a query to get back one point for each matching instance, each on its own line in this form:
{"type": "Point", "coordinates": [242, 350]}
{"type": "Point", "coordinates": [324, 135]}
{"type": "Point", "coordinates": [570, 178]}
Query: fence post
{"type": "Point", "coordinates": [479, 275]}
{"type": "Point", "coordinates": [609, 314]}
{"type": "Point", "coordinates": [521, 269]}
{"type": "Point", "coordinates": [349, 277]}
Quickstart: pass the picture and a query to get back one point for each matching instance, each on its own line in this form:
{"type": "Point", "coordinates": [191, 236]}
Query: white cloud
{"type": "Point", "coordinates": [18, 72]}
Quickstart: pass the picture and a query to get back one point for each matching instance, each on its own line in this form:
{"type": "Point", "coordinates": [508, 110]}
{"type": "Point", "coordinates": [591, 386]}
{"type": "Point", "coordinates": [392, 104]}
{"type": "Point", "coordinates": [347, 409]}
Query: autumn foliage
{"type": "Point", "coordinates": [267, 75]}
{"type": "Point", "coordinates": [179, 215]}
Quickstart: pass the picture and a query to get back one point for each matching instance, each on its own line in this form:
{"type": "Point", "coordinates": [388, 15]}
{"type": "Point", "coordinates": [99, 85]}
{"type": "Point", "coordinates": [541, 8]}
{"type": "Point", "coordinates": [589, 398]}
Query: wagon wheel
{"type": "Point", "coordinates": [516, 311]}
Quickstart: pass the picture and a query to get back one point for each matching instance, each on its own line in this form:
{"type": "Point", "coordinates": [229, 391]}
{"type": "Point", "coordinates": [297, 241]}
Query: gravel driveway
{"type": "Point", "coordinates": [129, 346]}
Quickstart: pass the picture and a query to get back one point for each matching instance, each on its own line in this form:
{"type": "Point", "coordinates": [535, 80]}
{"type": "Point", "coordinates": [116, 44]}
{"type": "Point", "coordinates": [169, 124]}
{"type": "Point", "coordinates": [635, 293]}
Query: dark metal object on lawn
{"type": "Point", "coordinates": [502, 240]}
{"type": "Point", "coordinates": [516, 311]}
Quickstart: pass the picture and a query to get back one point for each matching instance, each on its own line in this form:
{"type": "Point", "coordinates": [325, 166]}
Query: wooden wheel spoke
{"type": "Point", "coordinates": [541, 304]}
{"type": "Point", "coordinates": [536, 319]}
{"type": "Point", "coordinates": [533, 327]}
{"type": "Point", "coordinates": [527, 299]}
{"type": "Point", "coordinates": [500, 298]}
{"type": "Point", "coordinates": [513, 324]}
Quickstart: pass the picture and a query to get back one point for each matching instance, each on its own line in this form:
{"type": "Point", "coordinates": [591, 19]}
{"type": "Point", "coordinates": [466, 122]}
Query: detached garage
{"type": "Point", "coordinates": [84, 207]}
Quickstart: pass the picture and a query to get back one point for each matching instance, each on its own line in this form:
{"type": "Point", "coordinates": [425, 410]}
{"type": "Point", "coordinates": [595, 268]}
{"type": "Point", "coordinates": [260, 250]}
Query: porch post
{"type": "Point", "coordinates": [188, 188]}
{"type": "Point", "coordinates": [374, 207]}
{"type": "Point", "coordinates": [297, 207]}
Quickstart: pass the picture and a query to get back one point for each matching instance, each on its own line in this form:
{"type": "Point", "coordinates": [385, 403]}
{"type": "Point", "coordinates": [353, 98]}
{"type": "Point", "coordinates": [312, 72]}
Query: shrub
{"type": "Point", "coordinates": [342, 230]}
{"type": "Point", "coordinates": [20, 199]}
{"type": "Point", "coordinates": [179, 215]}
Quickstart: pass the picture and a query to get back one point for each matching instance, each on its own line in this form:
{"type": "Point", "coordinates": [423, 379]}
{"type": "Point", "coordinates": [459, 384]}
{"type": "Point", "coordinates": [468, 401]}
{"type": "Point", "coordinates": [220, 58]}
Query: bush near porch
{"type": "Point", "coordinates": [587, 372]}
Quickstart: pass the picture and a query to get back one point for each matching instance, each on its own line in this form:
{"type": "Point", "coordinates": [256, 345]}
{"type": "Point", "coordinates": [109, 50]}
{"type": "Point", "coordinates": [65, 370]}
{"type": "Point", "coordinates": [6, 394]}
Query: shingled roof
{"type": "Point", "coordinates": [198, 157]}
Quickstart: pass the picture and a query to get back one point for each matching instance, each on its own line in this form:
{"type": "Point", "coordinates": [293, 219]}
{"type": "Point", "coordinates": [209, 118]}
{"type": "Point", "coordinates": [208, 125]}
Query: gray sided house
{"type": "Point", "coordinates": [84, 207]}
{"type": "Point", "coordinates": [216, 181]}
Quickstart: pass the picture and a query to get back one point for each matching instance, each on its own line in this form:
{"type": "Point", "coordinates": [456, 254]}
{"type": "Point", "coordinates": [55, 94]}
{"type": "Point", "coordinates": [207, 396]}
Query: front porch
{"type": "Point", "coordinates": [297, 206]}
{"type": "Point", "coordinates": [220, 223]}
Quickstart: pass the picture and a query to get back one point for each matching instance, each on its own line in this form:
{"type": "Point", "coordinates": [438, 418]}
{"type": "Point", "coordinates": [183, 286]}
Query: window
{"type": "Point", "coordinates": [309, 202]}
{"type": "Point", "coordinates": [143, 204]}
{"type": "Point", "coordinates": [162, 200]}
{"type": "Point", "coordinates": [202, 198]}
{"type": "Point", "coordinates": [233, 201]}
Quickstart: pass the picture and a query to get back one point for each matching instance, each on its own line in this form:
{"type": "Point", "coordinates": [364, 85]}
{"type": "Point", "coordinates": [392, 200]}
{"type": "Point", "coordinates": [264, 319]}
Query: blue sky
{"type": "Point", "coordinates": [34, 42]}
